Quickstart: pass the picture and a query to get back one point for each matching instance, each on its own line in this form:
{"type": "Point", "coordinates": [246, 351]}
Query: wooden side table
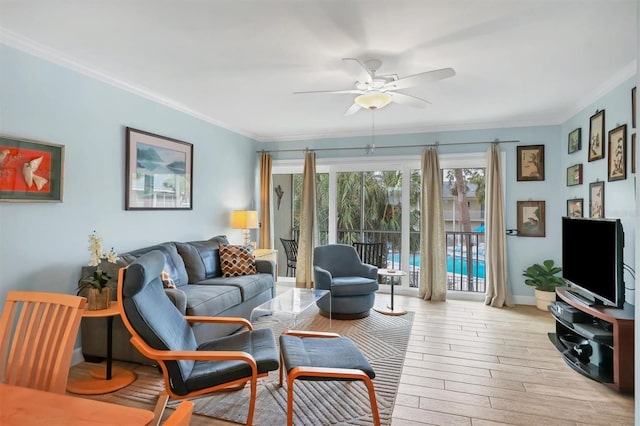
{"type": "Point", "coordinates": [267, 254]}
{"type": "Point", "coordinates": [390, 309]}
{"type": "Point", "coordinates": [103, 379]}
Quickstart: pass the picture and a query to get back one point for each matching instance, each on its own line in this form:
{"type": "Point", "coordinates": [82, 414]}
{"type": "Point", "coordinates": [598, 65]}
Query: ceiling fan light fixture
{"type": "Point", "coordinates": [373, 100]}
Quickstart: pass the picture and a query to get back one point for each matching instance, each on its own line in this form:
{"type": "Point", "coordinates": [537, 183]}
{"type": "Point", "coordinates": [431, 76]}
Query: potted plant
{"type": "Point", "coordinates": [545, 280]}
{"type": "Point", "coordinates": [98, 294]}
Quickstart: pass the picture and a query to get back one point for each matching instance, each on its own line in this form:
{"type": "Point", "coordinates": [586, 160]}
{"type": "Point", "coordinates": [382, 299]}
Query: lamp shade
{"type": "Point", "coordinates": [244, 219]}
{"type": "Point", "coordinates": [373, 100]}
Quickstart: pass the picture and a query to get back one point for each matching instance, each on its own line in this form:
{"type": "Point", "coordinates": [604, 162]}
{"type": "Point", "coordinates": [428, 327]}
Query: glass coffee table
{"type": "Point", "coordinates": [292, 303]}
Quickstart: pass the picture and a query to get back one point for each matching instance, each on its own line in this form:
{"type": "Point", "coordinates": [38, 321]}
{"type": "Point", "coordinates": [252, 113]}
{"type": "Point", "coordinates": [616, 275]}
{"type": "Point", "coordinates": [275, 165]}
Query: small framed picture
{"type": "Point", "coordinates": [575, 207]}
{"type": "Point", "coordinates": [158, 172]}
{"type": "Point", "coordinates": [633, 107]}
{"type": "Point", "coordinates": [575, 140]}
{"type": "Point", "coordinates": [30, 171]}
{"type": "Point", "coordinates": [596, 199]}
{"type": "Point", "coordinates": [617, 165]}
{"type": "Point", "coordinates": [531, 220]}
{"type": "Point", "coordinates": [530, 164]}
{"type": "Point", "coordinates": [633, 153]}
{"type": "Point", "coordinates": [574, 175]}
{"type": "Point", "coordinates": [596, 136]}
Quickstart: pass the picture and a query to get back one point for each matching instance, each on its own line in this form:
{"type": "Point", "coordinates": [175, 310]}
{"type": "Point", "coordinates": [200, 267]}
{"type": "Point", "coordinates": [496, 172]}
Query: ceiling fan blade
{"type": "Point", "coordinates": [357, 67]}
{"type": "Point", "coordinates": [352, 109]}
{"type": "Point", "coordinates": [403, 99]}
{"type": "Point", "coordinates": [418, 79]}
{"type": "Point", "coordinates": [331, 91]}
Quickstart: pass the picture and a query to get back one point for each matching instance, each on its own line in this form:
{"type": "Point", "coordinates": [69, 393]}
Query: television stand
{"type": "Point", "coordinates": [609, 334]}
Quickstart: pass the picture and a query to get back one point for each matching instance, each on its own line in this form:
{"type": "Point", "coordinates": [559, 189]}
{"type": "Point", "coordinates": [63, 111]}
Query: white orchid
{"type": "Point", "coordinates": [99, 278]}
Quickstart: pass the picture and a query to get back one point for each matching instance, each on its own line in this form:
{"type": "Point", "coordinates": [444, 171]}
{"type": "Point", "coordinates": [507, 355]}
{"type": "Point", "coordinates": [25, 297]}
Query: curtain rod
{"type": "Point", "coordinates": [374, 147]}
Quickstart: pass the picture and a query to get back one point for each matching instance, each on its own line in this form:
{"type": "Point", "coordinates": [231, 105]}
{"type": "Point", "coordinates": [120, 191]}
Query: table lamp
{"type": "Point", "coordinates": [245, 220]}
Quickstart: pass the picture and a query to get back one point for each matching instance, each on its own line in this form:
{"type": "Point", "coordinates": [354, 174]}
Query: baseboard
{"type": "Point", "coordinates": [523, 300]}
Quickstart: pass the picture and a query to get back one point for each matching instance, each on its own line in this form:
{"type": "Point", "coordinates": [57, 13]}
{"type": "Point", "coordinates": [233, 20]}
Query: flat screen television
{"type": "Point", "coordinates": [592, 259]}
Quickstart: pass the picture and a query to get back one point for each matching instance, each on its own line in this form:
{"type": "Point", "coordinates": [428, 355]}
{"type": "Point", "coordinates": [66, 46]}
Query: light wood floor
{"type": "Point", "coordinates": [470, 364]}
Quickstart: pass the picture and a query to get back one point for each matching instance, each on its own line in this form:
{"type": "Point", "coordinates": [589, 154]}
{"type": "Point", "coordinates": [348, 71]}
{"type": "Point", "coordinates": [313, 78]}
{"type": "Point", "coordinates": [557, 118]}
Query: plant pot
{"type": "Point", "coordinates": [98, 299]}
{"type": "Point", "coordinates": [544, 299]}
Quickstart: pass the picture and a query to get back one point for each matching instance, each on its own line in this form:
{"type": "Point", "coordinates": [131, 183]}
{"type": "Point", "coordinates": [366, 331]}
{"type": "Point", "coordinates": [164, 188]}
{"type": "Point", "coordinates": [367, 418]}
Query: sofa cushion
{"type": "Point", "coordinates": [173, 263]}
{"type": "Point", "coordinates": [202, 258]}
{"type": "Point", "coordinates": [236, 261]}
{"type": "Point", "coordinates": [210, 300]}
{"type": "Point", "coordinates": [249, 285]}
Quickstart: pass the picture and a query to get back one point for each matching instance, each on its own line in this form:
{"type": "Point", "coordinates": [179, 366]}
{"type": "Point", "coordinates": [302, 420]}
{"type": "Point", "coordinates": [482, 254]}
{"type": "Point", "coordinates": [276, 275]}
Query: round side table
{"type": "Point", "coordinates": [103, 379]}
{"type": "Point", "coordinates": [391, 309]}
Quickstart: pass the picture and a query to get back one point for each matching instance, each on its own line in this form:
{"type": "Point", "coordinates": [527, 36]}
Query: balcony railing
{"type": "Point", "coordinates": [465, 256]}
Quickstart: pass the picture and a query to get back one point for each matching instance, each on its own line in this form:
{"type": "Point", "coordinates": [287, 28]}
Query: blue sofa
{"type": "Point", "coordinates": [200, 289]}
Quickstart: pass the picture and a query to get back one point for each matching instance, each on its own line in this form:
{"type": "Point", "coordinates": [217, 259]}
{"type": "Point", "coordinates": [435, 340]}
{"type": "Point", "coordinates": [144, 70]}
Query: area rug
{"type": "Point", "coordinates": [383, 339]}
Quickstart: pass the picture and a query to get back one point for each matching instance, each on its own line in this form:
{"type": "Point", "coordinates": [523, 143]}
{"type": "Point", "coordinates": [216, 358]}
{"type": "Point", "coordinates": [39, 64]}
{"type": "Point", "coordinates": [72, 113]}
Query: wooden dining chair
{"type": "Point", "coordinates": [182, 415]}
{"type": "Point", "coordinates": [38, 331]}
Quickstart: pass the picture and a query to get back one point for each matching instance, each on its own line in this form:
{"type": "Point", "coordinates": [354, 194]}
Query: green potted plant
{"type": "Point", "coordinates": [545, 280]}
{"type": "Point", "coordinates": [99, 294]}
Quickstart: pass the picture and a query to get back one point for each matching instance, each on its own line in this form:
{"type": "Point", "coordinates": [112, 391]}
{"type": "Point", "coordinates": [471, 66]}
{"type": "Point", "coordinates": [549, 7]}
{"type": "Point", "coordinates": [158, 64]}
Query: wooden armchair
{"type": "Point", "coordinates": [37, 334]}
{"type": "Point", "coordinates": [160, 332]}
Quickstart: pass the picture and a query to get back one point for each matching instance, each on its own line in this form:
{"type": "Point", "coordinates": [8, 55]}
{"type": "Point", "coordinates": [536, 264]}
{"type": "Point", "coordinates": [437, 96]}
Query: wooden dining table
{"type": "Point", "coordinates": [22, 406]}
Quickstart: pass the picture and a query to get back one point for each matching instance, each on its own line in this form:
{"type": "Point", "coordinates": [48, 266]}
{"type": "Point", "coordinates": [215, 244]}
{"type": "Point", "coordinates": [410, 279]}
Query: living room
{"type": "Point", "coordinates": [50, 98]}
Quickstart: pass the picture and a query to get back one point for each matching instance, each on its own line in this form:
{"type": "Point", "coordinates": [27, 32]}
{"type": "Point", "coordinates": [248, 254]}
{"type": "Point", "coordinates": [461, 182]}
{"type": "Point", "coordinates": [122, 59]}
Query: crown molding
{"type": "Point", "coordinates": [31, 47]}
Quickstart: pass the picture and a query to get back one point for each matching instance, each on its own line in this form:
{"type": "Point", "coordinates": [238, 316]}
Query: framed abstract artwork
{"type": "Point", "coordinates": [596, 199]}
{"type": "Point", "coordinates": [575, 207]}
{"type": "Point", "coordinates": [531, 218]}
{"type": "Point", "coordinates": [574, 175]}
{"type": "Point", "coordinates": [530, 165]}
{"type": "Point", "coordinates": [159, 172]}
{"type": "Point", "coordinates": [30, 171]}
{"type": "Point", "coordinates": [575, 140]}
{"type": "Point", "coordinates": [596, 136]}
{"type": "Point", "coordinates": [617, 164]}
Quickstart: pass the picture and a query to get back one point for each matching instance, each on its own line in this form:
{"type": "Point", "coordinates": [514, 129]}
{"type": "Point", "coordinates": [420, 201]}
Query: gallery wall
{"type": "Point", "coordinates": [43, 245]}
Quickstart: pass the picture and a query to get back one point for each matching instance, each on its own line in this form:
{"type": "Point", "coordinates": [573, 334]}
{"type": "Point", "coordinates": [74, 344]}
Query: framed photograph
{"type": "Point", "coordinates": [617, 165]}
{"type": "Point", "coordinates": [633, 153]}
{"type": "Point", "coordinates": [633, 107]}
{"type": "Point", "coordinates": [159, 172]}
{"type": "Point", "coordinates": [574, 175]}
{"type": "Point", "coordinates": [596, 199]}
{"type": "Point", "coordinates": [531, 221]}
{"type": "Point", "coordinates": [575, 140]}
{"type": "Point", "coordinates": [530, 164]}
{"type": "Point", "coordinates": [596, 136]}
{"type": "Point", "coordinates": [575, 207]}
{"type": "Point", "coordinates": [30, 171]}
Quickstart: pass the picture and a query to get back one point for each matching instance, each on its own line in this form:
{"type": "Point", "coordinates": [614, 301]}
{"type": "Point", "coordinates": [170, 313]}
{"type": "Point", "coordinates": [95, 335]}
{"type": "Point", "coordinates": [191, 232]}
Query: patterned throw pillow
{"type": "Point", "coordinates": [236, 261]}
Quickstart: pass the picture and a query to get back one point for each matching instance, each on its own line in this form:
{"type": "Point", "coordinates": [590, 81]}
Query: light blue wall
{"type": "Point", "coordinates": [43, 246]}
{"type": "Point", "coordinates": [620, 200]}
{"type": "Point", "coordinates": [521, 251]}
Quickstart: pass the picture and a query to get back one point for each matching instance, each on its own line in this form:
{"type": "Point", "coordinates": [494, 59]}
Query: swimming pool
{"type": "Point", "coordinates": [456, 266]}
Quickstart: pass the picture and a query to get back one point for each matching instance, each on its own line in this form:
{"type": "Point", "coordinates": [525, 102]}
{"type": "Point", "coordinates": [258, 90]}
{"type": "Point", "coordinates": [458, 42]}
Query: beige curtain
{"type": "Point", "coordinates": [306, 240]}
{"type": "Point", "coordinates": [495, 233]}
{"type": "Point", "coordinates": [433, 250]}
{"type": "Point", "coordinates": [265, 240]}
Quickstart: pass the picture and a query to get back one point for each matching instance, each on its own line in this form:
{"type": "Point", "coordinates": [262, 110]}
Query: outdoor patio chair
{"type": "Point", "coordinates": [291, 251]}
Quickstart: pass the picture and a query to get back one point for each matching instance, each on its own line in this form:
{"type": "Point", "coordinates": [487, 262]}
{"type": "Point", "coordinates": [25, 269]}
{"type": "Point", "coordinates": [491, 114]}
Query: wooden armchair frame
{"type": "Point", "coordinates": [37, 334]}
{"type": "Point", "coordinates": [166, 355]}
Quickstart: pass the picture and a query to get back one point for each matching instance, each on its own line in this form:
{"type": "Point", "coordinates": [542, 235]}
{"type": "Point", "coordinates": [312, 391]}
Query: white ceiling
{"type": "Point", "coordinates": [236, 62]}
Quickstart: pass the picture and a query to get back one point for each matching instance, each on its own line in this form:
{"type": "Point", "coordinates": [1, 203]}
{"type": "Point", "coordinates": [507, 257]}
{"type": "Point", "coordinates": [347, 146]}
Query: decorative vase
{"type": "Point", "coordinates": [98, 299]}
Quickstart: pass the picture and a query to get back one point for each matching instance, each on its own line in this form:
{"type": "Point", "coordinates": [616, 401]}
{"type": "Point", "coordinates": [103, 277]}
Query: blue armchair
{"type": "Point", "coordinates": [353, 284]}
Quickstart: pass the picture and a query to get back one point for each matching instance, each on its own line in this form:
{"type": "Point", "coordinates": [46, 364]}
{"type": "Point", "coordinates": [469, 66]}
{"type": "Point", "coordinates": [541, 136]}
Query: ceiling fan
{"type": "Point", "coordinates": [377, 91]}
